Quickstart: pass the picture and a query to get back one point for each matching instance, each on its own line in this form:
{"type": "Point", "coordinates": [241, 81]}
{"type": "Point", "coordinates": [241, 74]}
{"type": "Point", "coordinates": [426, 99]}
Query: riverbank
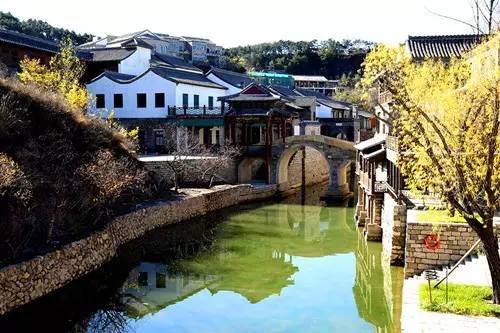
{"type": "Point", "coordinates": [27, 281]}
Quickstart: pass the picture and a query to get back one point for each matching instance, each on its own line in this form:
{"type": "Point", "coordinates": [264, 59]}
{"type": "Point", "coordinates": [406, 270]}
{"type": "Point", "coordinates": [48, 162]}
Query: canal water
{"type": "Point", "coordinates": [298, 265]}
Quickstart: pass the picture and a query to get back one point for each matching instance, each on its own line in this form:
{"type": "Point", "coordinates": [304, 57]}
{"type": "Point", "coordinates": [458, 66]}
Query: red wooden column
{"type": "Point", "coordinates": [283, 128]}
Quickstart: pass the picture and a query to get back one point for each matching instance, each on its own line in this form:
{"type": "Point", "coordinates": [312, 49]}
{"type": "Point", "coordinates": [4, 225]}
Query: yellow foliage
{"type": "Point", "coordinates": [446, 117]}
{"type": "Point", "coordinates": [62, 75]}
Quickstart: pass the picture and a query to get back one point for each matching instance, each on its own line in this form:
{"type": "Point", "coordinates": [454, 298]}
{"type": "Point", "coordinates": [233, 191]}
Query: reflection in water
{"type": "Point", "coordinates": [279, 267]}
{"type": "Point", "coordinates": [282, 267]}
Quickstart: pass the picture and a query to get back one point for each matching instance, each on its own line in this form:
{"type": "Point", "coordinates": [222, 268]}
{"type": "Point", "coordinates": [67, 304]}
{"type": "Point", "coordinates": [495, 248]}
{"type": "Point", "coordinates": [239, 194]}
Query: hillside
{"type": "Point", "coordinates": [41, 29]}
{"type": "Point", "coordinates": [329, 58]}
{"type": "Point", "coordinates": [62, 174]}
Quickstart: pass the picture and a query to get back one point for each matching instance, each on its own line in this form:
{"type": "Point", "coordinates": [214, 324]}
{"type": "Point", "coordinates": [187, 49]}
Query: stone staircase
{"type": "Point", "coordinates": [473, 270]}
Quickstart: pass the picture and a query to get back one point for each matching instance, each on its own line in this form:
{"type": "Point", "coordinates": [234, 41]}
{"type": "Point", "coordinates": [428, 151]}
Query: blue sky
{"type": "Point", "coordinates": [233, 22]}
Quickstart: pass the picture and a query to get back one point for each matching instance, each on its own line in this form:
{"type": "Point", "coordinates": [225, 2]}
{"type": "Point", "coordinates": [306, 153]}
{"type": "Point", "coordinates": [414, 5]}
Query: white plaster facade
{"type": "Point", "coordinates": [136, 63]}
{"type": "Point", "coordinates": [149, 83]}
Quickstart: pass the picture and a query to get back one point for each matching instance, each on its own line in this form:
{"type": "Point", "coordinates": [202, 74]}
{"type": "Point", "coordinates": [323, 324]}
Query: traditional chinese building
{"type": "Point", "coordinates": [256, 119]}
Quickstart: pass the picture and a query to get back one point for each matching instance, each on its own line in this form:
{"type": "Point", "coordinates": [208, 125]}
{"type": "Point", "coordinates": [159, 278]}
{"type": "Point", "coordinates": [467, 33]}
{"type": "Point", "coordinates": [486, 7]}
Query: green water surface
{"type": "Point", "coordinates": [271, 268]}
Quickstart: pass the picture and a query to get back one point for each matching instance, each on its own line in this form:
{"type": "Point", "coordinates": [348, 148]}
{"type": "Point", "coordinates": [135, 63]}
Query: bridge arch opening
{"type": "Point", "coordinates": [302, 165]}
{"type": "Point", "coordinates": [252, 170]}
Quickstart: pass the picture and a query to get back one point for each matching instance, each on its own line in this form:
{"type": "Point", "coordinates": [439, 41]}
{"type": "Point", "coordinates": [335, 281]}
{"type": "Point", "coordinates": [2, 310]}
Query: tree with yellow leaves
{"type": "Point", "coordinates": [62, 75]}
{"type": "Point", "coordinates": [447, 119]}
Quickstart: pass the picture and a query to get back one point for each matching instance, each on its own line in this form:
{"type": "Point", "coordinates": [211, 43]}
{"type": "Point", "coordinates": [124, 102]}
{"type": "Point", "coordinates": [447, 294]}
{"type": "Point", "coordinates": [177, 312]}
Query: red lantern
{"type": "Point", "coordinates": [432, 242]}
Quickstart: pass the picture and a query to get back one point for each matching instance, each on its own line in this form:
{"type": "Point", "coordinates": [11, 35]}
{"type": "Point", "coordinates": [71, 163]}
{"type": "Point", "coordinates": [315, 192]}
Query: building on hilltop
{"type": "Point", "coordinates": [316, 83]}
{"type": "Point", "coordinates": [15, 46]}
{"type": "Point", "coordinates": [273, 78]}
{"type": "Point", "coordinates": [194, 50]}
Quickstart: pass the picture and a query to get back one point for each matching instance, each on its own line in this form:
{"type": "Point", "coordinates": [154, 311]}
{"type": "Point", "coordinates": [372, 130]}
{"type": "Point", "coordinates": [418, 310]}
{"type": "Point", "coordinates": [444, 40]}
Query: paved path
{"type": "Point", "coordinates": [415, 320]}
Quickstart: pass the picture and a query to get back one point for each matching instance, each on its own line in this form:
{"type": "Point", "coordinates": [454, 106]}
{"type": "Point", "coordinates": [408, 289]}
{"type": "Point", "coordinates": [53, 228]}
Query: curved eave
{"type": "Point", "coordinates": [105, 74]}
{"type": "Point", "coordinates": [229, 83]}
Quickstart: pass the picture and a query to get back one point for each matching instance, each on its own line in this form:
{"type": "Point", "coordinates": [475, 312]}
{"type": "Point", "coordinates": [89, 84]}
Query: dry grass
{"type": "Point", "coordinates": [78, 171]}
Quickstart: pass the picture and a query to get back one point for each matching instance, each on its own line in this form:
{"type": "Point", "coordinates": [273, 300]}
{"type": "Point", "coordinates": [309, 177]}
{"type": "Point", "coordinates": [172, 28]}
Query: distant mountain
{"type": "Point", "coordinates": [329, 58]}
{"type": "Point", "coordinates": [41, 29]}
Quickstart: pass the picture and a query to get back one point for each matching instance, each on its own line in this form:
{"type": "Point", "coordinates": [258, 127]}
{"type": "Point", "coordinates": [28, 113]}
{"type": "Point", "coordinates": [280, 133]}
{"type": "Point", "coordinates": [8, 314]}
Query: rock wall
{"type": "Point", "coordinates": [155, 164]}
{"type": "Point", "coordinates": [456, 240]}
{"type": "Point", "coordinates": [394, 230]}
{"type": "Point", "coordinates": [29, 280]}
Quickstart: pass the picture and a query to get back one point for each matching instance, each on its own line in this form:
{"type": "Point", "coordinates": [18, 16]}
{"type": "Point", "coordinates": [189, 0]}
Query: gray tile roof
{"type": "Point", "coordinates": [442, 47]}
{"type": "Point", "coordinates": [118, 76]}
{"type": "Point", "coordinates": [235, 79]}
{"type": "Point", "coordinates": [159, 59]}
{"type": "Point", "coordinates": [325, 100]}
{"type": "Point", "coordinates": [284, 91]}
{"type": "Point", "coordinates": [187, 77]}
{"type": "Point", "coordinates": [17, 38]}
{"type": "Point", "coordinates": [109, 54]}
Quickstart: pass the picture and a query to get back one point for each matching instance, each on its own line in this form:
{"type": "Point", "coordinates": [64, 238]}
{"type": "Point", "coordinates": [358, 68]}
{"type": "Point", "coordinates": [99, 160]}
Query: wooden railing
{"type": "Point", "coordinates": [194, 111]}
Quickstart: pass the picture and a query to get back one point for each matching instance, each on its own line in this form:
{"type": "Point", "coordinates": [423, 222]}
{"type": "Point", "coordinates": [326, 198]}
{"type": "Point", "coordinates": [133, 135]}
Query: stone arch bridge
{"type": "Point", "coordinates": [338, 155]}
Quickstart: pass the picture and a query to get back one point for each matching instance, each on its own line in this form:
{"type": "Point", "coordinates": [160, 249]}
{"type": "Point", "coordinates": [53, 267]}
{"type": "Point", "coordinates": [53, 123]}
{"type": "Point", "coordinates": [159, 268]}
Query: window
{"type": "Point", "coordinates": [210, 102]}
{"type": "Point", "coordinates": [161, 280]}
{"type": "Point", "coordinates": [100, 101]}
{"type": "Point", "coordinates": [142, 280]}
{"type": "Point", "coordinates": [159, 137]}
{"type": "Point", "coordinates": [159, 100]}
{"type": "Point", "coordinates": [185, 100]}
{"type": "Point", "coordinates": [117, 101]}
{"type": "Point", "coordinates": [196, 103]}
{"type": "Point", "coordinates": [141, 100]}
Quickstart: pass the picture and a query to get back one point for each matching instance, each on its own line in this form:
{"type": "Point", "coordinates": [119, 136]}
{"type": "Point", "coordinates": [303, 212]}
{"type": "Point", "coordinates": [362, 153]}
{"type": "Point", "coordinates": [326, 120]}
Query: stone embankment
{"type": "Point", "coordinates": [456, 239]}
{"type": "Point", "coordinates": [24, 282]}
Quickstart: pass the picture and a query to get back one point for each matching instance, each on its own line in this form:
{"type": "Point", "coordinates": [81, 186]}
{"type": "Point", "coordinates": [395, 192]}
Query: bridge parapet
{"type": "Point", "coordinates": [321, 139]}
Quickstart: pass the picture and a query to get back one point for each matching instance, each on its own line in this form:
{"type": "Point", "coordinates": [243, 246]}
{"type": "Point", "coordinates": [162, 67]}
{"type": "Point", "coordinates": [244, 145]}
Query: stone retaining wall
{"type": "Point", "coordinates": [161, 168]}
{"type": "Point", "coordinates": [29, 280]}
{"type": "Point", "coordinates": [394, 230]}
{"type": "Point", "coordinates": [456, 240]}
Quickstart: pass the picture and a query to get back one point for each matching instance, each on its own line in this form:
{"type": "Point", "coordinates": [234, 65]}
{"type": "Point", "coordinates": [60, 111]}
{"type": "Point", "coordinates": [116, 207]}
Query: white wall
{"type": "Point", "coordinates": [136, 63]}
{"type": "Point", "coordinates": [203, 92]}
{"type": "Point", "coordinates": [231, 89]}
{"type": "Point", "coordinates": [150, 84]}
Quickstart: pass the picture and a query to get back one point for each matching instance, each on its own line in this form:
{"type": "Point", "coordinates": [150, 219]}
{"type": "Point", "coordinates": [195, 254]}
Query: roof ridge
{"type": "Point", "coordinates": [31, 36]}
{"type": "Point", "coordinates": [459, 36]}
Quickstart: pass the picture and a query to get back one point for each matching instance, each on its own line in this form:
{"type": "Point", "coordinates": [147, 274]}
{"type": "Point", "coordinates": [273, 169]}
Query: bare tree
{"type": "Point", "coordinates": [485, 16]}
{"type": "Point", "coordinates": [187, 156]}
{"type": "Point", "coordinates": [182, 147]}
{"type": "Point", "coordinates": [215, 162]}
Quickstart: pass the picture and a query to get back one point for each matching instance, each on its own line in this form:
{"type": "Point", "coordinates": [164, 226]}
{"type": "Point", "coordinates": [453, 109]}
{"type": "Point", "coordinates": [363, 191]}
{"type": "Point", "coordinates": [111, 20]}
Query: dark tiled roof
{"type": "Point", "coordinates": [239, 80]}
{"type": "Point", "coordinates": [250, 97]}
{"type": "Point", "coordinates": [115, 76]}
{"type": "Point", "coordinates": [284, 91]}
{"type": "Point", "coordinates": [18, 38]}
{"type": "Point", "coordinates": [186, 77]}
{"type": "Point", "coordinates": [119, 76]}
{"type": "Point", "coordinates": [110, 54]}
{"type": "Point", "coordinates": [442, 47]}
{"type": "Point", "coordinates": [325, 100]}
{"type": "Point", "coordinates": [162, 59]}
